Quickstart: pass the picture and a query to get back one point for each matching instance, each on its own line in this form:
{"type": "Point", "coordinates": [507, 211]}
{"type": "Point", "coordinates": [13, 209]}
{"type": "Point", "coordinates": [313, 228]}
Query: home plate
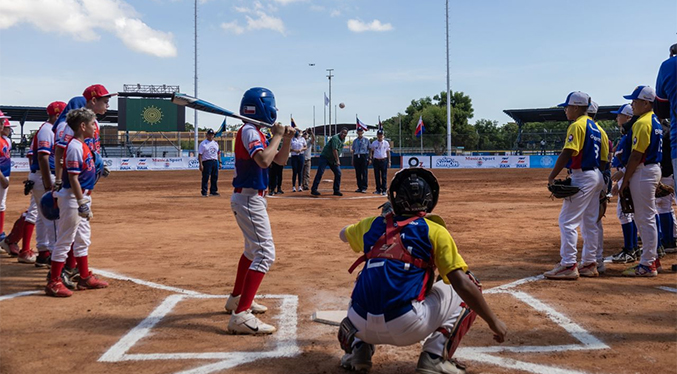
{"type": "Point", "coordinates": [329, 317]}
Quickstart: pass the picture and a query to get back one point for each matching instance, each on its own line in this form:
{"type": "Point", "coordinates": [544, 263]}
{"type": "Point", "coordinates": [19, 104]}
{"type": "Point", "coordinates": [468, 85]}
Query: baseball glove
{"type": "Point", "coordinates": [603, 200]}
{"type": "Point", "coordinates": [664, 190]}
{"type": "Point", "coordinates": [28, 186]}
{"type": "Point", "coordinates": [562, 188]}
{"type": "Point", "coordinates": [627, 206]}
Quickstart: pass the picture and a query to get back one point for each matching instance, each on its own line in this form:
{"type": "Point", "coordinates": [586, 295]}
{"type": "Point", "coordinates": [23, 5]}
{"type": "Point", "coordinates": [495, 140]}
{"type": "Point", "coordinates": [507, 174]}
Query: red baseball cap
{"type": "Point", "coordinates": [55, 108]}
{"type": "Point", "coordinates": [96, 90]}
{"type": "Point", "coordinates": [4, 120]}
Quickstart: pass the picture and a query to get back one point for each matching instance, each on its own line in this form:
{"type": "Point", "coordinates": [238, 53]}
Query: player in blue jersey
{"type": "Point", "coordinates": [666, 100]}
{"type": "Point", "coordinates": [396, 300]}
{"type": "Point", "coordinates": [74, 201]}
{"type": "Point", "coordinates": [253, 155]}
{"type": "Point", "coordinates": [642, 175]}
{"type": "Point", "coordinates": [585, 152]}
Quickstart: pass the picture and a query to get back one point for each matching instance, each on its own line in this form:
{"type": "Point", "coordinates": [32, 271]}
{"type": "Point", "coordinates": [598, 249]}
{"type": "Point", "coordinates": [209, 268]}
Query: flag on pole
{"type": "Point", "coordinates": [293, 124]}
{"type": "Point", "coordinates": [221, 129]}
{"type": "Point", "coordinates": [420, 127]}
{"type": "Point", "coordinates": [326, 99]}
{"type": "Point", "coordinates": [380, 125]}
{"type": "Point", "coordinates": [360, 125]}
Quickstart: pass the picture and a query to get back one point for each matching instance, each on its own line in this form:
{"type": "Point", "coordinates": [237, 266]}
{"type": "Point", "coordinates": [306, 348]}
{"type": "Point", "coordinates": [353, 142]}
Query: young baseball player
{"type": "Point", "coordinates": [379, 155]}
{"type": "Point", "coordinates": [395, 299]}
{"type": "Point", "coordinates": [606, 175]}
{"type": "Point", "coordinates": [666, 100]}
{"type": "Point", "coordinates": [253, 155]}
{"type": "Point", "coordinates": [5, 166]}
{"type": "Point", "coordinates": [630, 251]}
{"type": "Point", "coordinates": [74, 203]}
{"type": "Point", "coordinates": [642, 175]}
{"type": "Point", "coordinates": [664, 204]}
{"type": "Point", "coordinates": [41, 156]}
{"type": "Point", "coordinates": [330, 157]}
{"type": "Point", "coordinates": [585, 153]}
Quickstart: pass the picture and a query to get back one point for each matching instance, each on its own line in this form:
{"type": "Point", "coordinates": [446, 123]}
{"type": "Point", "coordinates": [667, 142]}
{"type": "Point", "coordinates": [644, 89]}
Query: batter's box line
{"type": "Point", "coordinates": [285, 338]}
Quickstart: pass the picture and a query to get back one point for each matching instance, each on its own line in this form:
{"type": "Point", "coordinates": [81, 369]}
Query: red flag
{"type": "Point", "coordinates": [420, 127]}
{"type": "Point", "coordinates": [360, 125]}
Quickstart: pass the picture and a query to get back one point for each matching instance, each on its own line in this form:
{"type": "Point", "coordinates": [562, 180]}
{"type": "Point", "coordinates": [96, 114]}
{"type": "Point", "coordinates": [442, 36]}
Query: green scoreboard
{"type": "Point", "coordinates": [150, 114]}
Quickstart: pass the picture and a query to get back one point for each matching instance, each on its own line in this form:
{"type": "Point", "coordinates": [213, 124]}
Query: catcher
{"type": "Point", "coordinates": [395, 300]}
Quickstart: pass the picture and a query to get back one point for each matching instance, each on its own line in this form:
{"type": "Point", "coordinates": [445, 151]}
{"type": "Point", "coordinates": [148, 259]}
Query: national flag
{"type": "Point", "coordinates": [293, 124]}
{"type": "Point", "coordinates": [360, 125]}
{"type": "Point", "coordinates": [380, 125]}
{"type": "Point", "coordinates": [326, 99]}
{"type": "Point", "coordinates": [221, 129]}
{"type": "Point", "coordinates": [420, 127]}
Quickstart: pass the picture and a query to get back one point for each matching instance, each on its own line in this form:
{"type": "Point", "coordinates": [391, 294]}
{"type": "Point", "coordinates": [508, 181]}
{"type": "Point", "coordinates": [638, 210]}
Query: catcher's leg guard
{"type": "Point", "coordinates": [460, 328]}
{"type": "Point", "coordinates": [17, 230]}
{"type": "Point", "coordinates": [346, 335]}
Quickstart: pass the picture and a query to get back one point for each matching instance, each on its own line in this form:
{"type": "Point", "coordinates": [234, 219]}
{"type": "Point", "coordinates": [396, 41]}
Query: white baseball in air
{"type": "Point", "coordinates": [342, 105]}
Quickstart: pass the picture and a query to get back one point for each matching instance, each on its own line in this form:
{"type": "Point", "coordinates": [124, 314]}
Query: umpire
{"type": "Point", "coordinates": [360, 150]}
{"type": "Point", "coordinates": [208, 156]}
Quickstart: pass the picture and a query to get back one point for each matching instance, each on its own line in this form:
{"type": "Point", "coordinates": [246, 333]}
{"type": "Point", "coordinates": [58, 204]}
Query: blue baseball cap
{"type": "Point", "coordinates": [642, 93]}
{"type": "Point", "coordinates": [576, 98]}
{"type": "Point", "coordinates": [625, 109]}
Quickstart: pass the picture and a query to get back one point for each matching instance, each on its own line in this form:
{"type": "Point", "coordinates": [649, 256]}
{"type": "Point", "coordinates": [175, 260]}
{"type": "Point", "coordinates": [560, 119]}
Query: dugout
{"type": "Point", "coordinates": [540, 115]}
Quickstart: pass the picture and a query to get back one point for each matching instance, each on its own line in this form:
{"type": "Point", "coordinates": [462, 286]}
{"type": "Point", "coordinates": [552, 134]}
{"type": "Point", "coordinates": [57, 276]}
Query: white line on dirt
{"type": "Point", "coordinates": [18, 294]}
{"type": "Point", "coordinates": [110, 274]}
{"type": "Point", "coordinates": [669, 289]}
{"type": "Point", "coordinates": [514, 364]}
{"type": "Point", "coordinates": [514, 284]}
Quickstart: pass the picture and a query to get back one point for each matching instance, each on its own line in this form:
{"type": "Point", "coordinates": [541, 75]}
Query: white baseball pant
{"type": "Point", "coordinates": [441, 308]}
{"type": "Point", "coordinates": [70, 227]}
{"type": "Point", "coordinates": [251, 214]}
{"type": "Point", "coordinates": [582, 210]}
{"type": "Point", "coordinates": [45, 230]}
{"type": "Point", "coordinates": [3, 197]}
{"type": "Point", "coordinates": [643, 189]}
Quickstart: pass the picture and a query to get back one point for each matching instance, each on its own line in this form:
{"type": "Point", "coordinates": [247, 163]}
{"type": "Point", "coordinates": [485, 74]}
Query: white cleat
{"type": "Point", "coordinates": [246, 323]}
{"type": "Point", "coordinates": [233, 301]}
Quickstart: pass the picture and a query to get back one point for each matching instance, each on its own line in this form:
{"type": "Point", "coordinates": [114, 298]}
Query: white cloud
{"type": "Point", "coordinates": [265, 21]}
{"type": "Point", "coordinates": [355, 25]}
{"type": "Point", "coordinates": [232, 27]}
{"type": "Point", "coordinates": [285, 2]}
{"type": "Point", "coordinates": [83, 19]}
{"type": "Point", "coordinates": [335, 13]}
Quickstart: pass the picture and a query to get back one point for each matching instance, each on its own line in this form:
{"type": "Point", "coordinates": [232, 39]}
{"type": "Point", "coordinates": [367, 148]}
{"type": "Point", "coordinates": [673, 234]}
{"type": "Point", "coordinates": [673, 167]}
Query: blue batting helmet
{"type": "Point", "coordinates": [259, 103]}
{"type": "Point", "coordinates": [48, 206]}
{"type": "Point", "coordinates": [98, 165]}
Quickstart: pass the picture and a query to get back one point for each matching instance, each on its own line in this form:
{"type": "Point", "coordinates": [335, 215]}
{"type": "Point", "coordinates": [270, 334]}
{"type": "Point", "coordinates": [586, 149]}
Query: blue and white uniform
{"type": "Point", "coordinates": [45, 230]}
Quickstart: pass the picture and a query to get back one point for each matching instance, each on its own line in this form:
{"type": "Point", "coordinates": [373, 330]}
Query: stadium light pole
{"type": "Point", "coordinates": [195, 78]}
{"type": "Point", "coordinates": [448, 91]}
{"type": "Point", "coordinates": [330, 76]}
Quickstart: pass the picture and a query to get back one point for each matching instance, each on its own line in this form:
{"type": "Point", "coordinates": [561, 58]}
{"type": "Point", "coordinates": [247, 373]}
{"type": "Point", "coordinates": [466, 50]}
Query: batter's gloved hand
{"type": "Point", "coordinates": [663, 190]}
{"type": "Point", "coordinates": [106, 172]}
{"type": "Point", "coordinates": [562, 188]}
{"type": "Point", "coordinates": [28, 186]}
{"type": "Point", "coordinates": [627, 205]}
{"type": "Point", "coordinates": [603, 201]}
{"type": "Point", "coordinates": [57, 185]}
{"type": "Point", "coordinates": [83, 209]}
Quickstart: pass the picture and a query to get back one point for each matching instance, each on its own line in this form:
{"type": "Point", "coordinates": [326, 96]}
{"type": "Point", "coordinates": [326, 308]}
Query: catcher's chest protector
{"type": "Point", "coordinates": [390, 246]}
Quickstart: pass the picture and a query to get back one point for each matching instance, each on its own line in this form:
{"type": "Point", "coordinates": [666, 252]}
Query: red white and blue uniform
{"type": "Point", "coordinates": [5, 167]}
{"type": "Point", "coordinates": [45, 230]}
{"type": "Point", "coordinates": [248, 202]}
{"type": "Point", "coordinates": [64, 134]}
{"type": "Point", "coordinates": [78, 159]}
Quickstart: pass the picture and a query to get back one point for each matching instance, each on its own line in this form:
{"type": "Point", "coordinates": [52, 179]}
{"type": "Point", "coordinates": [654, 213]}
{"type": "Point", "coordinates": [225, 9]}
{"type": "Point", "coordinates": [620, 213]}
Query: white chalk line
{"type": "Point", "coordinates": [669, 289]}
{"type": "Point", "coordinates": [110, 274]}
{"type": "Point", "coordinates": [18, 294]}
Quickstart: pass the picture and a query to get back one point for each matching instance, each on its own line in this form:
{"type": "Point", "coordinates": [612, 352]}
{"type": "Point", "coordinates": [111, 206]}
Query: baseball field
{"type": "Point", "coordinates": [170, 257]}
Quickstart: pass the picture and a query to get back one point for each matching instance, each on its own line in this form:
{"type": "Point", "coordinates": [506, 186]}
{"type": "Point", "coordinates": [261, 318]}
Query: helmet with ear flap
{"type": "Point", "coordinates": [413, 190]}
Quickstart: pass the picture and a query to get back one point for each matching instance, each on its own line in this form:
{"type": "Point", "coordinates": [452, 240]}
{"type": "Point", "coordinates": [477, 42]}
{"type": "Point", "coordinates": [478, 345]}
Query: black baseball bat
{"type": "Point", "coordinates": [206, 106]}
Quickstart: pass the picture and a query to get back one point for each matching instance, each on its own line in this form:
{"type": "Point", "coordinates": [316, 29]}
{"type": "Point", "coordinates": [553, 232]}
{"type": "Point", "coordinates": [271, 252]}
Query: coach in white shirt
{"type": "Point", "coordinates": [380, 157]}
{"type": "Point", "coordinates": [210, 163]}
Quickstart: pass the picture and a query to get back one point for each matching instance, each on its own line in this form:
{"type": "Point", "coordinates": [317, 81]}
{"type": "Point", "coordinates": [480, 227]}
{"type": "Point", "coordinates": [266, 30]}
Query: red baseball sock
{"type": "Point", "coordinates": [70, 261]}
{"type": "Point", "coordinates": [17, 230]}
{"type": "Point", "coordinates": [251, 284]}
{"type": "Point", "coordinates": [28, 234]}
{"type": "Point", "coordinates": [55, 272]}
{"type": "Point", "coordinates": [242, 268]}
{"type": "Point", "coordinates": [2, 221]}
{"type": "Point", "coordinates": [83, 266]}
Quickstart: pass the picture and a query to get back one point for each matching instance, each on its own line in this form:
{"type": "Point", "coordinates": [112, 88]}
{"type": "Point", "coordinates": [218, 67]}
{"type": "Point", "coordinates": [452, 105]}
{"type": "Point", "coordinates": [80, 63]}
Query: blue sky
{"type": "Point", "coordinates": [504, 54]}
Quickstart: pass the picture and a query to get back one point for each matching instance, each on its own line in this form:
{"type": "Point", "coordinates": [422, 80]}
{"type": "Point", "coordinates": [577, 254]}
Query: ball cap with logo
{"type": "Point", "coordinates": [379, 132]}
{"type": "Point", "coordinates": [210, 132]}
{"type": "Point", "coordinates": [55, 108]}
{"type": "Point", "coordinates": [577, 98]}
{"type": "Point", "coordinates": [96, 90]}
{"type": "Point", "coordinates": [593, 107]}
{"type": "Point", "coordinates": [5, 120]}
{"type": "Point", "coordinates": [642, 93]}
{"type": "Point", "coordinates": [625, 109]}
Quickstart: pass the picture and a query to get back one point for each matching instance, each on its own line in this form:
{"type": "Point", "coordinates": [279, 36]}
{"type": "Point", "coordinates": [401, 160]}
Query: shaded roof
{"type": "Point", "coordinates": [554, 114]}
{"type": "Point", "coordinates": [39, 114]}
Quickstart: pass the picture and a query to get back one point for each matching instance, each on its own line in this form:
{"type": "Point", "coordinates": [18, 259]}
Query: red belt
{"type": "Point", "coordinates": [260, 192]}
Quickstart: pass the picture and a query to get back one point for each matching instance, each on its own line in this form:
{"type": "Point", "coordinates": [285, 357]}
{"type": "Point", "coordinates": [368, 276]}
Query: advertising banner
{"type": "Point", "coordinates": [479, 162]}
{"type": "Point", "coordinates": [415, 161]}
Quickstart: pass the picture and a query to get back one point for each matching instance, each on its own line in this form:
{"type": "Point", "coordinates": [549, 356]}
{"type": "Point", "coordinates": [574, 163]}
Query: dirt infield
{"type": "Point", "coordinates": [181, 249]}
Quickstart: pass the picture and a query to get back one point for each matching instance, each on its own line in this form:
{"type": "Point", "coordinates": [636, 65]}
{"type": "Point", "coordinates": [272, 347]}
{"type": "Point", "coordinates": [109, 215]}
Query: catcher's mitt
{"type": "Point", "coordinates": [627, 206]}
{"type": "Point", "coordinates": [664, 190]}
{"type": "Point", "coordinates": [603, 200]}
{"type": "Point", "coordinates": [562, 188]}
{"type": "Point", "coordinates": [28, 186]}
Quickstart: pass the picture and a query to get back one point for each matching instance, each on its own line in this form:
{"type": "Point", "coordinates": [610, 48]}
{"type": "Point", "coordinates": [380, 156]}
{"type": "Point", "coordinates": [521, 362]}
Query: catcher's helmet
{"type": "Point", "coordinates": [48, 206]}
{"type": "Point", "coordinates": [259, 103]}
{"type": "Point", "coordinates": [413, 190]}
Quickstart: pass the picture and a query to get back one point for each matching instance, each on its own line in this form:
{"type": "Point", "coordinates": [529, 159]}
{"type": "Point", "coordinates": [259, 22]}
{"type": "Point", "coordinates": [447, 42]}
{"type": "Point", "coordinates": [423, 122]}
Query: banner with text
{"type": "Point", "coordinates": [479, 162]}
